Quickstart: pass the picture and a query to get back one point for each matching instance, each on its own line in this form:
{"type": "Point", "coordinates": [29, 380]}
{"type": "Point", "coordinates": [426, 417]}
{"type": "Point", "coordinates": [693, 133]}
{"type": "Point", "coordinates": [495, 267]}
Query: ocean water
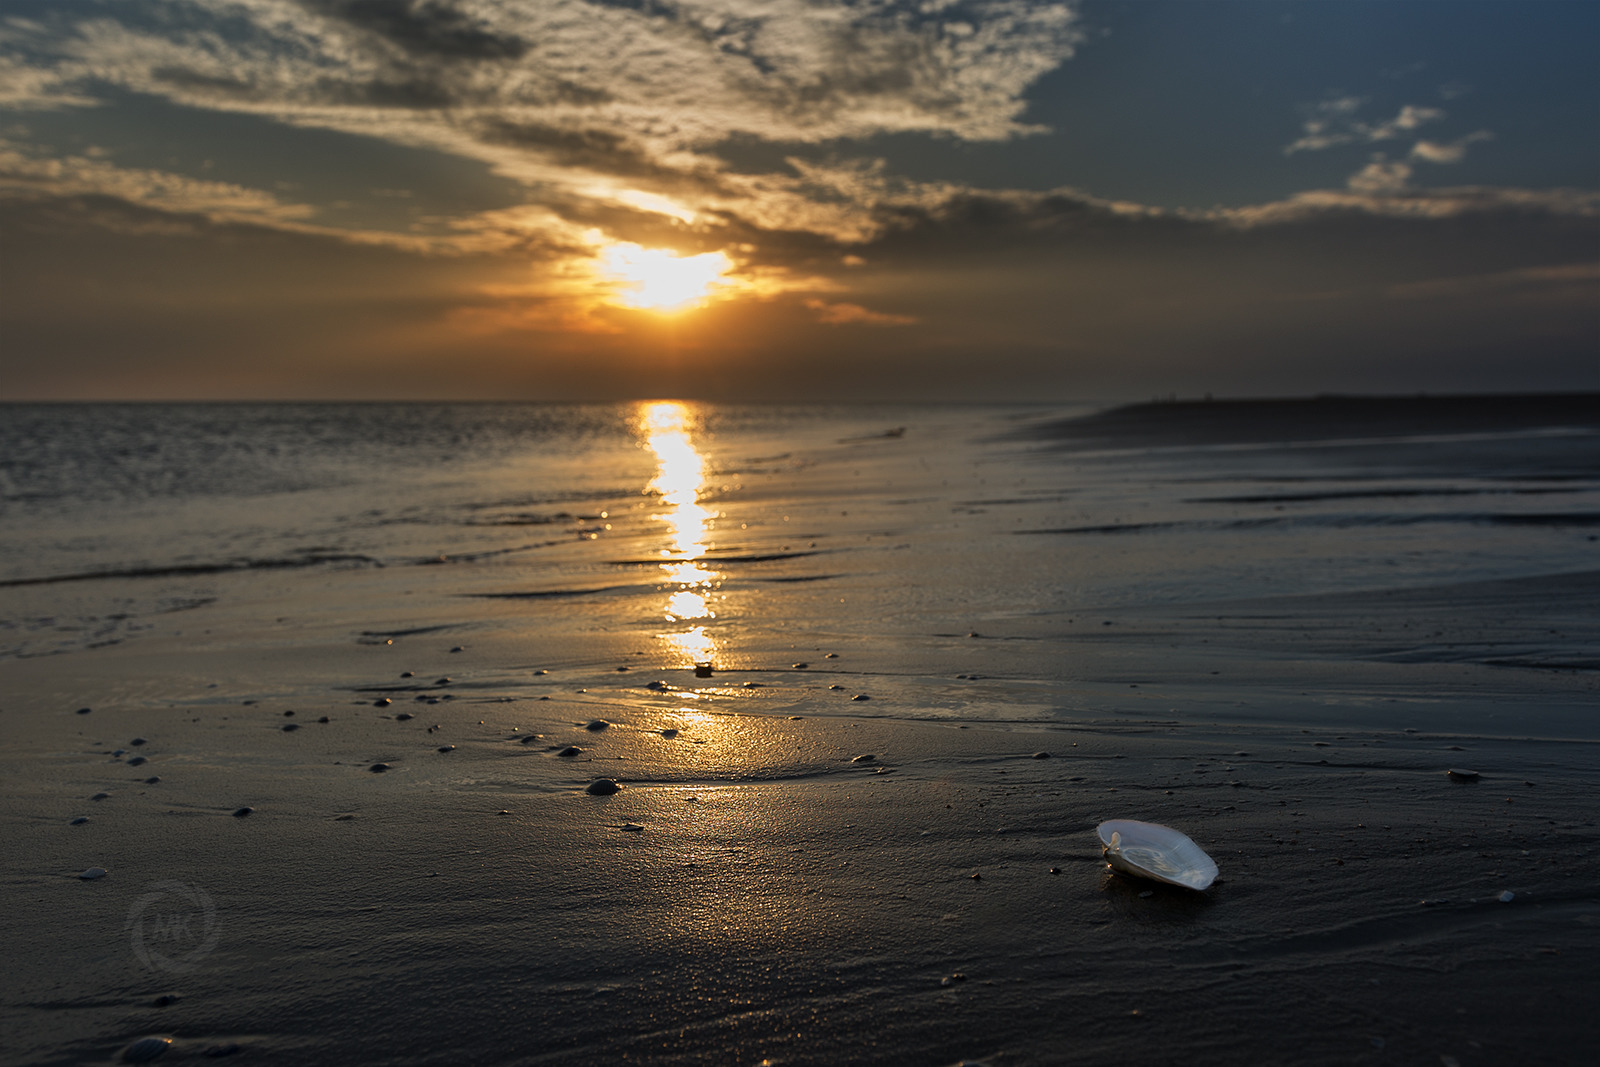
{"type": "Point", "coordinates": [1421, 561]}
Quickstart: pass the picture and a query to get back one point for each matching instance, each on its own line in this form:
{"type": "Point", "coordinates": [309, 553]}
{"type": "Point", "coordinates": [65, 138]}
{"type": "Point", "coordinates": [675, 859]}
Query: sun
{"type": "Point", "coordinates": [658, 280]}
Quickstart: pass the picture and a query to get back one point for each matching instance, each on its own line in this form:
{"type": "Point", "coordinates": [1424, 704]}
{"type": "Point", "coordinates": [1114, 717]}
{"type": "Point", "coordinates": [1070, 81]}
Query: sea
{"type": "Point", "coordinates": [1416, 562]}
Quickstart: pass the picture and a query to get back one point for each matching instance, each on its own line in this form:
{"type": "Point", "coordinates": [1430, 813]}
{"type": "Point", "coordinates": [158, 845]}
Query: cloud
{"type": "Point", "coordinates": [1451, 152]}
{"type": "Point", "coordinates": [855, 315]}
{"type": "Point", "coordinates": [1334, 122]}
{"type": "Point", "coordinates": [25, 172]}
{"type": "Point", "coordinates": [1381, 177]}
{"type": "Point", "coordinates": [1578, 281]}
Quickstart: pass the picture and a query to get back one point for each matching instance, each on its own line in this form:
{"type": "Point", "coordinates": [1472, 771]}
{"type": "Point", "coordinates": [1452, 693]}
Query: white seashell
{"type": "Point", "coordinates": [1150, 850]}
{"type": "Point", "coordinates": [146, 1049]}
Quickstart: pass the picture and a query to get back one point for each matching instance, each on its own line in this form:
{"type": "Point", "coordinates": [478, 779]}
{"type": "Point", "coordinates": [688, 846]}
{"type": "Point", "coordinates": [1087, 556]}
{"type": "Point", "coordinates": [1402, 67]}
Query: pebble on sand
{"type": "Point", "coordinates": [92, 873]}
{"type": "Point", "coordinates": [861, 696]}
{"type": "Point", "coordinates": [669, 734]}
{"type": "Point", "coordinates": [378, 768]}
{"type": "Point", "coordinates": [85, 711]}
{"type": "Point", "coordinates": [1507, 897]}
{"type": "Point", "coordinates": [801, 666]}
{"type": "Point", "coordinates": [1041, 755]}
{"type": "Point", "coordinates": [146, 1049]}
{"type": "Point", "coordinates": [657, 685]}
{"type": "Point", "coordinates": [323, 719]}
{"type": "Point", "coordinates": [1459, 775]}
{"type": "Point", "coordinates": [447, 748]}
{"type": "Point", "coordinates": [152, 780]}
{"type": "Point", "coordinates": [100, 796]}
{"type": "Point", "coordinates": [702, 670]}
{"type": "Point", "coordinates": [602, 787]}
{"type": "Point", "coordinates": [631, 827]}
{"type": "Point", "coordinates": [242, 812]}
{"type": "Point", "coordinates": [137, 741]}
{"type": "Point", "coordinates": [137, 761]}
{"type": "Point", "coordinates": [79, 821]}
{"type": "Point", "coordinates": [868, 758]}
{"type": "Point", "coordinates": [594, 726]}
{"type": "Point", "coordinates": [570, 750]}
{"type": "Point", "coordinates": [167, 1000]}
{"type": "Point", "coordinates": [382, 702]}
{"type": "Point", "coordinates": [288, 728]}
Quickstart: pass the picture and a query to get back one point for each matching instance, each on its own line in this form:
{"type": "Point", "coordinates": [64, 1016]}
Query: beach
{"type": "Point", "coordinates": [867, 679]}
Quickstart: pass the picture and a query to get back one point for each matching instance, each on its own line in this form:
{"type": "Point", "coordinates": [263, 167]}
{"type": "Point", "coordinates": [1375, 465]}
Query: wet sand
{"type": "Point", "coordinates": [759, 890]}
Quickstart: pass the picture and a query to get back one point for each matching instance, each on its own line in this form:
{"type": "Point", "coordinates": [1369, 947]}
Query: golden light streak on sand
{"type": "Point", "coordinates": [680, 477]}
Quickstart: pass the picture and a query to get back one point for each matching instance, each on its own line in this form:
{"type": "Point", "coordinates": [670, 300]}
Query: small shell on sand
{"type": "Point", "coordinates": [631, 827]}
{"type": "Point", "coordinates": [1458, 775]}
{"type": "Point", "coordinates": [658, 686]}
{"type": "Point", "coordinates": [868, 758]}
{"type": "Point", "coordinates": [861, 696]}
{"type": "Point", "coordinates": [447, 748]}
{"type": "Point", "coordinates": [801, 666]}
{"type": "Point", "coordinates": [146, 1049]}
{"type": "Point", "coordinates": [404, 716]}
{"type": "Point", "coordinates": [79, 821]}
{"type": "Point", "coordinates": [100, 796]}
{"type": "Point", "coordinates": [570, 750]}
{"type": "Point", "coordinates": [595, 725]}
{"type": "Point", "coordinates": [602, 787]}
{"type": "Point", "coordinates": [242, 812]}
{"type": "Point", "coordinates": [382, 702]}
{"type": "Point", "coordinates": [669, 734]}
{"type": "Point", "coordinates": [1041, 755]}
{"type": "Point", "coordinates": [92, 873]}
{"type": "Point", "coordinates": [378, 768]}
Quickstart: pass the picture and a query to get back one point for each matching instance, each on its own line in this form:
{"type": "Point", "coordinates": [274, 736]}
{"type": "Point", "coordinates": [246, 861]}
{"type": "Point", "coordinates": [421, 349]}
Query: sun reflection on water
{"type": "Point", "coordinates": [680, 477]}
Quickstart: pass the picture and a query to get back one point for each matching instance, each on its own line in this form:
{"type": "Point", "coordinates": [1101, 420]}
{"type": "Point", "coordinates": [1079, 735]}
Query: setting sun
{"type": "Point", "coordinates": [659, 280]}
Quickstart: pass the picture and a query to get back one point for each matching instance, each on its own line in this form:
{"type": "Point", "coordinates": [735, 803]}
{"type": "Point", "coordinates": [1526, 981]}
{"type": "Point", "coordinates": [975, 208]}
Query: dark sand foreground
{"type": "Point", "coordinates": [796, 876]}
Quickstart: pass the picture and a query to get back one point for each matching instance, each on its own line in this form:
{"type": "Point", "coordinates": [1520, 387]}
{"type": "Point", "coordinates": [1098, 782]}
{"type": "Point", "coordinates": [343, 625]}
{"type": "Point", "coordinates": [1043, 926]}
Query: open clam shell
{"type": "Point", "coordinates": [1150, 850]}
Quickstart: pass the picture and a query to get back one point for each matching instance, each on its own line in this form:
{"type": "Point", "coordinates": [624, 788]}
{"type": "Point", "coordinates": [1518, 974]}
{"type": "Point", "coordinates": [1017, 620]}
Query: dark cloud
{"type": "Point", "coordinates": [432, 28]}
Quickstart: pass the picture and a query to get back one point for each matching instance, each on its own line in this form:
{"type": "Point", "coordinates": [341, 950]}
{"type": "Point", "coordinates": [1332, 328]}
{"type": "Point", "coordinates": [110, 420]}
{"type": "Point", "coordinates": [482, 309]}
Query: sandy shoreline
{"type": "Point", "coordinates": [477, 905]}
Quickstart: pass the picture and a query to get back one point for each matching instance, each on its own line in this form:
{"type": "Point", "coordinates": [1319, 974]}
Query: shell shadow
{"type": "Point", "coordinates": [1164, 904]}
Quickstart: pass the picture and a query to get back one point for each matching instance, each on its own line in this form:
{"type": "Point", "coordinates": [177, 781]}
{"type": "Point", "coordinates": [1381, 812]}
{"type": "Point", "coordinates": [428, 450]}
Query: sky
{"type": "Point", "coordinates": [809, 200]}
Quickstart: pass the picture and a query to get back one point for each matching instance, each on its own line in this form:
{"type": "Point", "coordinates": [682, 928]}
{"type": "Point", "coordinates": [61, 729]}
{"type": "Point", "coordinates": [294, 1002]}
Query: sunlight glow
{"type": "Point", "coordinates": [659, 280]}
